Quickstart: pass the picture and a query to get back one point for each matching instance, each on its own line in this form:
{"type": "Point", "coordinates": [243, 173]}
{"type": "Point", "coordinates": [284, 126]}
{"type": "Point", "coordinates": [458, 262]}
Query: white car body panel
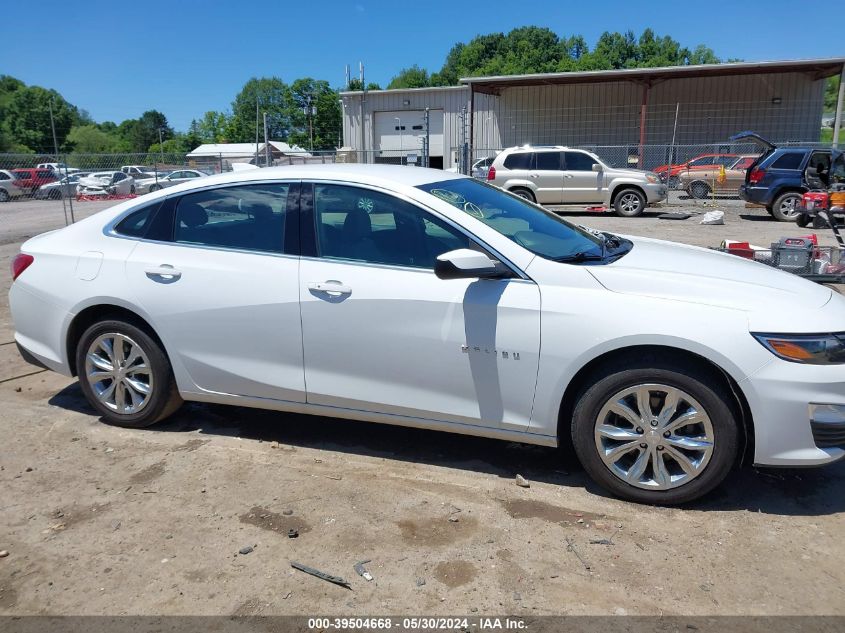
{"type": "Point", "coordinates": [391, 351]}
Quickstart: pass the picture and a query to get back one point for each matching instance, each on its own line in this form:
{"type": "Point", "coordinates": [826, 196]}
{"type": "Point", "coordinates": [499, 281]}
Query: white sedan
{"type": "Point", "coordinates": [179, 176]}
{"type": "Point", "coordinates": [413, 297]}
{"type": "Point", "coordinates": [106, 183]}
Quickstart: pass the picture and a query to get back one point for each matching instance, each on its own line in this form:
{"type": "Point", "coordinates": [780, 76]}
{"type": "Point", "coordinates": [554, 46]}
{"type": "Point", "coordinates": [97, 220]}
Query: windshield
{"type": "Point", "coordinates": [529, 225]}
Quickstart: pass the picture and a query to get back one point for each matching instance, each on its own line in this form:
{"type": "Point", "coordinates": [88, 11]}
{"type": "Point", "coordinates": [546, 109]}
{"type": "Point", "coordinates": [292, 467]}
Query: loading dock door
{"type": "Point", "coordinates": [393, 144]}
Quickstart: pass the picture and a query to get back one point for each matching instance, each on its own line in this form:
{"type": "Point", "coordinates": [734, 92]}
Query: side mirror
{"type": "Point", "coordinates": [597, 167]}
{"type": "Point", "coordinates": [465, 263]}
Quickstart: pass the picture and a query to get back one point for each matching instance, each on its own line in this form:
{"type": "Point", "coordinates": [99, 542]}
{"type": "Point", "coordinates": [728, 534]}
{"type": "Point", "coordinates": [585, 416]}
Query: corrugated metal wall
{"type": "Point", "coordinates": [783, 107]}
{"type": "Point", "coordinates": [449, 100]}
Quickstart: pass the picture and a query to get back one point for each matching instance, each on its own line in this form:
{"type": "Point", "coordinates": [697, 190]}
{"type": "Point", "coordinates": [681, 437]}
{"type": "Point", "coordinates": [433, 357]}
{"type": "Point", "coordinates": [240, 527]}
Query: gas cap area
{"type": "Point", "coordinates": [88, 265]}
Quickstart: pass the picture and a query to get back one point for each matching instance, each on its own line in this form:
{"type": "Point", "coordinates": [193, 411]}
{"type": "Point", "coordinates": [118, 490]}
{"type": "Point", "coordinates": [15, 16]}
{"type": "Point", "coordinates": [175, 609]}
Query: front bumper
{"type": "Point", "coordinates": [655, 192]}
{"type": "Point", "coordinates": [798, 412]}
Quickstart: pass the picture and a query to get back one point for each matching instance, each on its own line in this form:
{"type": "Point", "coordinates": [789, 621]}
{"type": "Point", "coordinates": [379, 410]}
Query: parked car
{"type": "Point", "coordinates": [106, 183]}
{"type": "Point", "coordinates": [60, 169]}
{"type": "Point", "coordinates": [146, 185]}
{"type": "Point", "coordinates": [421, 298]}
{"type": "Point", "coordinates": [138, 172]}
{"type": "Point", "coordinates": [561, 175]}
{"type": "Point", "coordinates": [65, 187]}
{"type": "Point", "coordinates": [9, 187]}
{"type": "Point", "coordinates": [705, 161]}
{"type": "Point", "coordinates": [31, 178]}
{"type": "Point", "coordinates": [701, 183]}
{"type": "Point", "coordinates": [777, 179]}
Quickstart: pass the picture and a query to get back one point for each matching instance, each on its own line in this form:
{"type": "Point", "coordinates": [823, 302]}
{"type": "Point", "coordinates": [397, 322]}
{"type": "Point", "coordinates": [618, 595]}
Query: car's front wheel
{"type": "Point", "coordinates": [699, 189]}
{"type": "Point", "coordinates": [629, 203]}
{"type": "Point", "coordinates": [655, 430]}
{"type": "Point", "coordinates": [125, 374]}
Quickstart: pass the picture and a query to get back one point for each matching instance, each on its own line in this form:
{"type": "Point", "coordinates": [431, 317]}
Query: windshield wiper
{"type": "Point", "coordinates": [581, 256]}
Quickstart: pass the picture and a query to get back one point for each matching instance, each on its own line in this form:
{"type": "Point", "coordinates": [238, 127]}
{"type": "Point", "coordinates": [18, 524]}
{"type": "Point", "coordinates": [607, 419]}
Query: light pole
{"type": "Point", "coordinates": [400, 138]}
{"type": "Point", "coordinates": [160, 145]}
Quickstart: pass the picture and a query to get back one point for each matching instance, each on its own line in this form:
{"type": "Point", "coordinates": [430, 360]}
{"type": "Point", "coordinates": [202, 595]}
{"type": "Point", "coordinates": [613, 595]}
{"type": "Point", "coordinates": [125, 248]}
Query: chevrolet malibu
{"type": "Point", "coordinates": [420, 298]}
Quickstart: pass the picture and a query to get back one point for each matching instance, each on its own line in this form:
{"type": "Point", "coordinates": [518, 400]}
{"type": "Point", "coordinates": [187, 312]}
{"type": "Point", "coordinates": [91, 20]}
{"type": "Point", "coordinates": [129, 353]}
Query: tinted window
{"type": "Point", "coordinates": [118, 177]}
{"type": "Point", "coordinates": [369, 226]}
{"type": "Point", "coordinates": [136, 223]}
{"type": "Point", "coordinates": [532, 227]}
{"type": "Point", "coordinates": [547, 161]}
{"type": "Point", "coordinates": [250, 217]}
{"type": "Point", "coordinates": [700, 162]}
{"type": "Point", "coordinates": [518, 161]}
{"type": "Point", "coordinates": [788, 160]}
{"type": "Point", "coordinates": [578, 161]}
{"type": "Point", "coordinates": [724, 160]}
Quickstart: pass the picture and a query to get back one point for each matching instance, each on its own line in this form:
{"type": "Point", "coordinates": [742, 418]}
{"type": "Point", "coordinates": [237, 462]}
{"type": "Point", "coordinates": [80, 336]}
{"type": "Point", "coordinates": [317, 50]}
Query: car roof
{"type": "Point", "coordinates": [364, 174]}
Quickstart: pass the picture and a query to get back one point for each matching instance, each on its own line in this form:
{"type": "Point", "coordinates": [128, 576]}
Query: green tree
{"type": "Point", "coordinates": [90, 139]}
{"type": "Point", "coordinates": [355, 84]}
{"type": "Point", "coordinates": [273, 96]}
{"type": "Point", "coordinates": [413, 77]}
{"type": "Point", "coordinates": [26, 117]}
{"type": "Point", "coordinates": [211, 128]}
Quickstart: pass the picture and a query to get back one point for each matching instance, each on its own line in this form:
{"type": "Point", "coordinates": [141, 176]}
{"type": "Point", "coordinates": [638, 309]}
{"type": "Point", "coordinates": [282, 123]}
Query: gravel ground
{"type": "Point", "coordinates": [103, 520]}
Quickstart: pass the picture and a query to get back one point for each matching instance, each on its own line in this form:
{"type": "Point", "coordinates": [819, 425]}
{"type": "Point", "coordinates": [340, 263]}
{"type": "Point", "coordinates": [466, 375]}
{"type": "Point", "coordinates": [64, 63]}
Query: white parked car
{"type": "Point", "coordinates": [9, 187]}
{"type": "Point", "coordinates": [145, 185]}
{"type": "Point", "coordinates": [106, 183]}
{"type": "Point", "coordinates": [554, 174]}
{"type": "Point", "coordinates": [424, 299]}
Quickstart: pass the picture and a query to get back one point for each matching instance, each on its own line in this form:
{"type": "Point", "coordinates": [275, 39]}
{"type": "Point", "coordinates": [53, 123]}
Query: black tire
{"type": "Point", "coordinates": [164, 398]}
{"type": "Point", "coordinates": [4, 195]}
{"type": "Point", "coordinates": [132, 190]}
{"type": "Point", "coordinates": [704, 385]}
{"type": "Point", "coordinates": [818, 222]}
{"type": "Point", "coordinates": [699, 189]}
{"type": "Point", "coordinates": [673, 183]}
{"type": "Point", "coordinates": [629, 203]}
{"type": "Point", "coordinates": [54, 194]}
{"type": "Point", "coordinates": [522, 192]}
{"type": "Point", "coordinates": [802, 220]}
{"type": "Point", "coordinates": [154, 188]}
{"type": "Point", "coordinates": [783, 208]}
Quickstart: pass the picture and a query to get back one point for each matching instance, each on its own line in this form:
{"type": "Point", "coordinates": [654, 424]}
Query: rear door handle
{"type": "Point", "coordinates": [330, 287]}
{"type": "Point", "coordinates": [533, 175]}
{"type": "Point", "coordinates": [165, 271]}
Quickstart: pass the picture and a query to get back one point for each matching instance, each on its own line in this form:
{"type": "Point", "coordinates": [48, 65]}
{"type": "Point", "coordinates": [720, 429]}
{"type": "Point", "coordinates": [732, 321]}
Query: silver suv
{"type": "Point", "coordinates": [562, 175]}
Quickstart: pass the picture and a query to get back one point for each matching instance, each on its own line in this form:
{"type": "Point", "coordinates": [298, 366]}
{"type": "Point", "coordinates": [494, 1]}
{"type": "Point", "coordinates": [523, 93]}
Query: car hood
{"type": "Point", "coordinates": [95, 181]}
{"type": "Point", "coordinates": [667, 270]}
{"type": "Point", "coordinates": [628, 173]}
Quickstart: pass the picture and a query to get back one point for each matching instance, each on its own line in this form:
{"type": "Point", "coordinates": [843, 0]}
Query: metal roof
{"type": "Point", "coordinates": [398, 90]}
{"type": "Point", "coordinates": [818, 68]}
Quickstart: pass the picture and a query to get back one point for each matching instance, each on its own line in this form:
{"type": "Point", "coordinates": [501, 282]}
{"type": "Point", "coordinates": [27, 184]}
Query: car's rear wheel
{"type": "Point", "coordinates": [785, 207]}
{"type": "Point", "coordinates": [527, 194]}
{"type": "Point", "coordinates": [125, 374]}
{"type": "Point", "coordinates": [699, 189]}
{"type": "Point", "coordinates": [55, 194]}
{"type": "Point", "coordinates": [657, 431]}
{"type": "Point", "coordinates": [4, 195]}
{"type": "Point", "coordinates": [629, 203]}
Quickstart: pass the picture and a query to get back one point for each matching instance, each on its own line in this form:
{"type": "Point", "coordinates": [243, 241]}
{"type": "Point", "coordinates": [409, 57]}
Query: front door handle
{"type": "Point", "coordinates": [334, 288]}
{"type": "Point", "coordinates": [165, 271]}
{"type": "Point", "coordinates": [568, 176]}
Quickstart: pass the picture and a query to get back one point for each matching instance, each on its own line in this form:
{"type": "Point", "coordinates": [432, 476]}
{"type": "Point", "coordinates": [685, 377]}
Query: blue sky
{"type": "Point", "coordinates": [184, 57]}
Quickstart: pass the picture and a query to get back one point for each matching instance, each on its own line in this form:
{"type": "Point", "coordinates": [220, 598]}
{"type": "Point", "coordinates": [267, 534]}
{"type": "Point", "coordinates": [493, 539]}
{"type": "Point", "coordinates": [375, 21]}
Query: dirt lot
{"type": "Point", "coordinates": [101, 520]}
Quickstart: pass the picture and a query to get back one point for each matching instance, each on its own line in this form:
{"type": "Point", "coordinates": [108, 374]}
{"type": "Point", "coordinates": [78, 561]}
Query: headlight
{"type": "Point", "coordinates": [652, 178]}
{"type": "Point", "coordinates": [810, 349]}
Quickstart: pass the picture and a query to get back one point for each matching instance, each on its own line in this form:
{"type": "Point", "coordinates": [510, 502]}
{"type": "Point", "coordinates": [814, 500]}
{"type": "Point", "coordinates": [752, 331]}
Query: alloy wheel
{"type": "Point", "coordinates": [630, 203]}
{"type": "Point", "coordinates": [118, 371]}
{"type": "Point", "coordinates": [654, 436]}
{"type": "Point", "coordinates": [787, 207]}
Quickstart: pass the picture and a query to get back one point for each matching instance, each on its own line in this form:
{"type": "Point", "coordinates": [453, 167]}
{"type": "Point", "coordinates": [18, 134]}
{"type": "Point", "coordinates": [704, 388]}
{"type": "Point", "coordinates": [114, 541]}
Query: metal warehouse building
{"type": "Point", "coordinates": [637, 116]}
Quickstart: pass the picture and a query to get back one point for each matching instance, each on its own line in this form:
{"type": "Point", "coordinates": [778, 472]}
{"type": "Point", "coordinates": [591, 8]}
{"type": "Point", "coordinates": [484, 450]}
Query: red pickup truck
{"type": "Point", "coordinates": [29, 179]}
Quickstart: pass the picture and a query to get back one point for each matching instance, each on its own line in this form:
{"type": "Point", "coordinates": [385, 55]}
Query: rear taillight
{"type": "Point", "coordinates": [491, 173]}
{"type": "Point", "coordinates": [20, 263]}
{"type": "Point", "coordinates": [756, 176]}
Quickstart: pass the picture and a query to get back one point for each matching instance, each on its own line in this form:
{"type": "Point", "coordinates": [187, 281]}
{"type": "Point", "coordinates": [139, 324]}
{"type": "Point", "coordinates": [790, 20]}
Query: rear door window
{"type": "Point", "coordinates": [788, 160]}
{"type": "Point", "coordinates": [249, 217]}
{"type": "Point", "coordinates": [547, 161]}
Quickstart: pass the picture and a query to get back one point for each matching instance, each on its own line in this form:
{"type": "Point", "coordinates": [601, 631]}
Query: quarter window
{"type": "Point", "coordinates": [789, 160]}
{"type": "Point", "coordinates": [250, 217]}
{"type": "Point", "coordinates": [369, 226]}
{"type": "Point", "coordinates": [521, 160]}
{"type": "Point", "coordinates": [136, 223]}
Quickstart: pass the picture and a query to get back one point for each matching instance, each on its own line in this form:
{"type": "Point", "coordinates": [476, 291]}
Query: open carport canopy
{"type": "Point", "coordinates": [817, 68]}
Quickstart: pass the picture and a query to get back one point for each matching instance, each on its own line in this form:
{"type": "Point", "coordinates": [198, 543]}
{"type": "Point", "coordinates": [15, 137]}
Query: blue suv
{"type": "Point", "coordinates": [776, 178]}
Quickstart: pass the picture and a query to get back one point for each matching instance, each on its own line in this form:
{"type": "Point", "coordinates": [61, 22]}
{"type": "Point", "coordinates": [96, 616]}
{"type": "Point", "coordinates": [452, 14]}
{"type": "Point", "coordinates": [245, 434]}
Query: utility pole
{"type": "Point", "coordinates": [266, 144]}
{"type": "Point", "coordinates": [363, 99]}
{"type": "Point", "coordinates": [427, 139]}
{"type": "Point", "coordinates": [160, 146]}
{"type": "Point", "coordinates": [256, 131]}
{"type": "Point", "coordinates": [56, 149]}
